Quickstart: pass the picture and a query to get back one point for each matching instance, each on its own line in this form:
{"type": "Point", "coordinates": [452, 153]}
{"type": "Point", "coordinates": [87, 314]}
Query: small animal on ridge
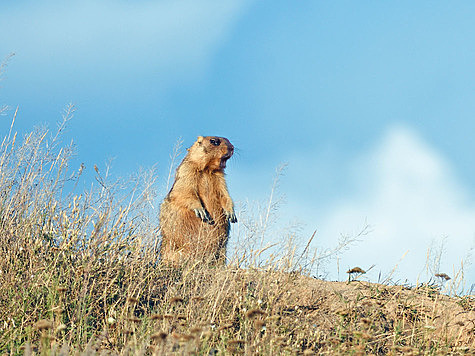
{"type": "Point", "coordinates": [196, 214]}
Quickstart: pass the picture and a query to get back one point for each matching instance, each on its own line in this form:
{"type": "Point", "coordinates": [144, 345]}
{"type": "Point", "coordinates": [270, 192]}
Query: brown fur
{"type": "Point", "coordinates": [196, 214]}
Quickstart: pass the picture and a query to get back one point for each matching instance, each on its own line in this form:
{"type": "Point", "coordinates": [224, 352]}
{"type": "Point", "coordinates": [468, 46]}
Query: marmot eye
{"type": "Point", "coordinates": [215, 141]}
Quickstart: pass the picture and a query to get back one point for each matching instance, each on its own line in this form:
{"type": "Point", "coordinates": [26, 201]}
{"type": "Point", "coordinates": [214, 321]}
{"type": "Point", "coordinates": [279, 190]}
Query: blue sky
{"type": "Point", "coordinates": [371, 104]}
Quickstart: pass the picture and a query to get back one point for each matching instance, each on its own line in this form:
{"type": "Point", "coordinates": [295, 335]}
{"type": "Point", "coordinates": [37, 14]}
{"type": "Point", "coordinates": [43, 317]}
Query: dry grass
{"type": "Point", "coordinates": [79, 273]}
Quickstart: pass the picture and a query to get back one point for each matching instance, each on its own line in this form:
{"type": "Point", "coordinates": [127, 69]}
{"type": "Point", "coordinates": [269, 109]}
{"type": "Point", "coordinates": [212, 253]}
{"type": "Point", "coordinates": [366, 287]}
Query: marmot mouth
{"type": "Point", "coordinates": [224, 158]}
{"type": "Point", "coordinates": [222, 164]}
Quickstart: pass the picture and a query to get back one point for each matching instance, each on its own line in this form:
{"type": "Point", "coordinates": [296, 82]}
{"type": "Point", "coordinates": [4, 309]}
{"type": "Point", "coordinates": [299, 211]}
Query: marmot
{"type": "Point", "coordinates": [196, 214]}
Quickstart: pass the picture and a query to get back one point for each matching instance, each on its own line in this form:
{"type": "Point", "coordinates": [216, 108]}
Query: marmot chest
{"type": "Point", "coordinates": [209, 191]}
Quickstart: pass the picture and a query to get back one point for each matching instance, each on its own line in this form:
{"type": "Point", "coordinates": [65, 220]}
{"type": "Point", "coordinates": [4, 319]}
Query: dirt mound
{"type": "Point", "coordinates": [373, 314]}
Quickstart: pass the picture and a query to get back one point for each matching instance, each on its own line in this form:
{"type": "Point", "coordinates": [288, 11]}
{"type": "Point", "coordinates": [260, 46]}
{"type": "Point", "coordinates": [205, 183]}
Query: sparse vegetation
{"type": "Point", "coordinates": [79, 273]}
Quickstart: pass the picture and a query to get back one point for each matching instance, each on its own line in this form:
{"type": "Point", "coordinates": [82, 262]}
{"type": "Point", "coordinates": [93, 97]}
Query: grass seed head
{"type": "Point", "coordinates": [225, 326]}
{"type": "Point", "coordinates": [157, 317]}
{"type": "Point", "coordinates": [356, 270]}
{"type": "Point", "coordinates": [176, 300]}
{"type": "Point", "coordinates": [442, 276]}
{"type": "Point", "coordinates": [253, 313]}
{"type": "Point", "coordinates": [44, 324]}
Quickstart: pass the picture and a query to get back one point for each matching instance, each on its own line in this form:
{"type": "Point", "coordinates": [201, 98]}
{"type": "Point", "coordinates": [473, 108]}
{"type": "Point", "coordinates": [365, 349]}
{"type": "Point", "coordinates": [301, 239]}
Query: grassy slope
{"type": "Point", "coordinates": [79, 272]}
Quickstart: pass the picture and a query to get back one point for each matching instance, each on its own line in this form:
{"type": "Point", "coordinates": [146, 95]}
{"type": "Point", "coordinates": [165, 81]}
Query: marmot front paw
{"type": "Point", "coordinates": [231, 216]}
{"type": "Point", "coordinates": [204, 215]}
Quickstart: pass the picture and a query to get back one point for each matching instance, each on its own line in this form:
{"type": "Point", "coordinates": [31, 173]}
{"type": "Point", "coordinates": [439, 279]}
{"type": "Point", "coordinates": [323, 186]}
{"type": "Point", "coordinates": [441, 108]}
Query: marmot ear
{"type": "Point", "coordinates": [200, 139]}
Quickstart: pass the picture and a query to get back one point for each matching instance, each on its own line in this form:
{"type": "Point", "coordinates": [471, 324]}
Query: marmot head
{"type": "Point", "coordinates": [211, 152]}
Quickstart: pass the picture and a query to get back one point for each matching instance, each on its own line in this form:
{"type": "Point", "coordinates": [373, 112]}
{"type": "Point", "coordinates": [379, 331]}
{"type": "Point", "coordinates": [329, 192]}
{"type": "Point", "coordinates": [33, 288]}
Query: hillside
{"type": "Point", "coordinates": [199, 310]}
{"type": "Point", "coordinates": [79, 273]}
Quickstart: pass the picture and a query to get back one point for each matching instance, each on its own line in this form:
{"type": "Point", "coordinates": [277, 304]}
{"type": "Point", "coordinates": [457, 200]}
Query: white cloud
{"type": "Point", "coordinates": [410, 198]}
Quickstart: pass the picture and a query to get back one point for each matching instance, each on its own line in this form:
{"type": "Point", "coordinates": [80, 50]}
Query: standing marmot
{"type": "Point", "coordinates": [195, 215]}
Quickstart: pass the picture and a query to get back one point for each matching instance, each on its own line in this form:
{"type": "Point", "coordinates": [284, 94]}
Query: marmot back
{"type": "Point", "coordinates": [196, 214]}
